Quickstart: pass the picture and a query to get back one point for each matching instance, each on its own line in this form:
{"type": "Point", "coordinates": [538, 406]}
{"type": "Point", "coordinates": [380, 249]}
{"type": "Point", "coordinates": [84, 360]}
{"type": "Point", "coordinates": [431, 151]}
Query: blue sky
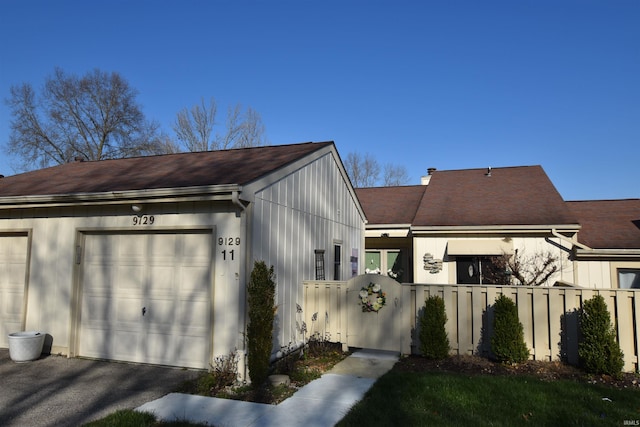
{"type": "Point", "coordinates": [446, 84]}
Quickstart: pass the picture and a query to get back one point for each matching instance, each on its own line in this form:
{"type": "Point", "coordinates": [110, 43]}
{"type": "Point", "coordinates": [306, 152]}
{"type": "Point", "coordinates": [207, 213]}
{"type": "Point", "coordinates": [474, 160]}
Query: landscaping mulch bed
{"type": "Point", "coordinates": [546, 371]}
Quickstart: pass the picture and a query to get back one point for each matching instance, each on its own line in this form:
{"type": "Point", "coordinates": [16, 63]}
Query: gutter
{"type": "Point", "coordinates": [202, 193]}
{"type": "Point", "coordinates": [608, 254]}
{"type": "Point", "coordinates": [492, 229]}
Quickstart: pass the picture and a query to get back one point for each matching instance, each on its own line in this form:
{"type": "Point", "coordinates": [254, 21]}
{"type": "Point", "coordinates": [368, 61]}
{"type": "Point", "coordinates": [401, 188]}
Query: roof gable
{"type": "Point", "coordinates": [223, 167]}
{"type": "Point", "coordinates": [608, 224]}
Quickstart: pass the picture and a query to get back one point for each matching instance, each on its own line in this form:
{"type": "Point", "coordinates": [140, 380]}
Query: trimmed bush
{"type": "Point", "coordinates": [261, 296]}
{"type": "Point", "coordinates": [434, 343]}
{"type": "Point", "coordinates": [507, 342]}
{"type": "Point", "coordinates": [598, 349]}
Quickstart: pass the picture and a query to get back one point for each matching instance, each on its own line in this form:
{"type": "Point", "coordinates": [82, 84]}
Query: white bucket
{"type": "Point", "coordinates": [25, 346]}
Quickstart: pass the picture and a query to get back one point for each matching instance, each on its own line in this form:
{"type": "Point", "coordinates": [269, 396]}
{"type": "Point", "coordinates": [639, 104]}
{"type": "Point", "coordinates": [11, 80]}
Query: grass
{"type": "Point", "coordinates": [131, 418]}
{"type": "Point", "coordinates": [445, 398]}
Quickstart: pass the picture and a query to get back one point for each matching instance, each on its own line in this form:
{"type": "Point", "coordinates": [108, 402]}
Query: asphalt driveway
{"type": "Point", "coordinates": [57, 391]}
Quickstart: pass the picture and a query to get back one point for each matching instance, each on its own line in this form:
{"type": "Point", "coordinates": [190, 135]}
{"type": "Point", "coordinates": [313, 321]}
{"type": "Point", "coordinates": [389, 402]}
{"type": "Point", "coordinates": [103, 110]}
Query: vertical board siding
{"type": "Point", "coordinates": [549, 316]}
{"type": "Point", "coordinates": [295, 216]}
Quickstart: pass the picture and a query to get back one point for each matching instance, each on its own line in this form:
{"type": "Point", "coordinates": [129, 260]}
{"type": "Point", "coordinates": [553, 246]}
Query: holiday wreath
{"type": "Point", "coordinates": [372, 298]}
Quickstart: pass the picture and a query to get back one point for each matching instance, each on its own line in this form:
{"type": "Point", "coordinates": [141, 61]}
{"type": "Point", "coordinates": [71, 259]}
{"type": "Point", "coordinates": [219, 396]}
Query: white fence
{"type": "Point", "coordinates": [548, 315]}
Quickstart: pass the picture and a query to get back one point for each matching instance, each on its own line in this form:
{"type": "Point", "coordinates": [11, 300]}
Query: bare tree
{"type": "Point", "coordinates": [395, 175]}
{"type": "Point", "coordinates": [363, 170]}
{"type": "Point", "coordinates": [532, 270]}
{"type": "Point", "coordinates": [93, 117]}
{"type": "Point", "coordinates": [195, 128]}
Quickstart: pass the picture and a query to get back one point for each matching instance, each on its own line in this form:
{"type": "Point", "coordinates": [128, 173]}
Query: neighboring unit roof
{"type": "Point", "coordinates": [390, 205]}
{"type": "Point", "coordinates": [498, 196]}
{"type": "Point", "coordinates": [237, 166]}
{"type": "Point", "coordinates": [608, 224]}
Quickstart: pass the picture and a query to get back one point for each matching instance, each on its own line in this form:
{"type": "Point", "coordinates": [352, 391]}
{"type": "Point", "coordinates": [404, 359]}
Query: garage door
{"type": "Point", "coordinates": [13, 268]}
{"type": "Point", "coordinates": [147, 298]}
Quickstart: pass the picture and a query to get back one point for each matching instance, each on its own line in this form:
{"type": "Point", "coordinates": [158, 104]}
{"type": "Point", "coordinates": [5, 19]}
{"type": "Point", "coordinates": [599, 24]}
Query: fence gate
{"type": "Point", "coordinates": [374, 307]}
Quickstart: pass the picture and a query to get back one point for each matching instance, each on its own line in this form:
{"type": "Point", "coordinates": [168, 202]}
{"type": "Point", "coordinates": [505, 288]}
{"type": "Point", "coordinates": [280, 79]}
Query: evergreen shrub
{"type": "Point", "coordinates": [261, 299]}
{"type": "Point", "coordinates": [507, 342]}
{"type": "Point", "coordinates": [598, 349]}
{"type": "Point", "coordinates": [434, 343]}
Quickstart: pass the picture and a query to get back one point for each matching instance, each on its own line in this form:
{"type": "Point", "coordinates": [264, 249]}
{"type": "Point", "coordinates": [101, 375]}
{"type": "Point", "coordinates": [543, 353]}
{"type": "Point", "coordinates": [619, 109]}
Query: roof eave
{"type": "Point", "coordinates": [489, 229]}
{"type": "Point", "coordinates": [387, 230]}
{"type": "Point", "coordinates": [199, 193]}
{"type": "Point", "coordinates": [608, 254]}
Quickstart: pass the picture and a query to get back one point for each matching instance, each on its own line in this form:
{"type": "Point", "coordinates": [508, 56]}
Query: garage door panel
{"type": "Point", "coordinates": [192, 312]}
{"type": "Point", "coordinates": [100, 277]}
{"type": "Point", "coordinates": [198, 350]}
{"type": "Point", "coordinates": [96, 310]}
{"type": "Point", "coordinates": [130, 277]}
{"type": "Point", "coordinates": [96, 342]}
{"type": "Point", "coordinates": [126, 346]}
{"type": "Point", "coordinates": [163, 245]}
{"type": "Point", "coordinates": [162, 314]}
{"type": "Point", "coordinates": [167, 274]}
{"type": "Point", "coordinates": [130, 246]}
{"type": "Point", "coordinates": [128, 311]}
{"type": "Point", "coordinates": [162, 279]}
{"type": "Point", "coordinates": [194, 280]}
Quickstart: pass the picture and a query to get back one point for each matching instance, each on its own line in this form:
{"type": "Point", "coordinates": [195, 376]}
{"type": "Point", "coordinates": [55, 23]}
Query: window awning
{"type": "Point", "coordinates": [479, 247]}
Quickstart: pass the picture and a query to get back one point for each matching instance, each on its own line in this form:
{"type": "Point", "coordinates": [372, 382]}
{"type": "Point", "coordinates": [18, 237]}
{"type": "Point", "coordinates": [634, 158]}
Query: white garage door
{"type": "Point", "coordinates": [146, 297]}
{"type": "Point", "coordinates": [13, 268]}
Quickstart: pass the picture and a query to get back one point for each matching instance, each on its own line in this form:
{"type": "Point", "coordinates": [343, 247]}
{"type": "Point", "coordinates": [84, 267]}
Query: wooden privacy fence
{"type": "Point", "coordinates": [549, 316]}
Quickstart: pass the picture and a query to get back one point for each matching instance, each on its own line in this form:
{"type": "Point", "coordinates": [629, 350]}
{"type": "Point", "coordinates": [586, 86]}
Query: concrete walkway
{"type": "Point", "coordinates": [321, 403]}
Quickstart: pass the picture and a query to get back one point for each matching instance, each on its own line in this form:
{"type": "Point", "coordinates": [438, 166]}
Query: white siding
{"type": "Point", "coordinates": [594, 274]}
{"type": "Point", "coordinates": [527, 246]}
{"type": "Point", "coordinates": [308, 209]}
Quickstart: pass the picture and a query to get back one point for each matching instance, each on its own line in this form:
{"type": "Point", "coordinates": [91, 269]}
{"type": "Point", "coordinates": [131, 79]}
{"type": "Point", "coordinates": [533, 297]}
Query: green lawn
{"type": "Point", "coordinates": [131, 418]}
{"type": "Point", "coordinates": [439, 398]}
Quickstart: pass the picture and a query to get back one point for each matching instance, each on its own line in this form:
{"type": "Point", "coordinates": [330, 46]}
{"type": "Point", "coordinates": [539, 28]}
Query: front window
{"type": "Point", "coordinates": [629, 278]}
{"type": "Point", "coordinates": [337, 264]}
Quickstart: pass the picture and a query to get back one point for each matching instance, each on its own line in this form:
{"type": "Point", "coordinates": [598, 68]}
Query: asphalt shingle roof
{"type": "Point", "coordinates": [390, 205]}
{"type": "Point", "coordinates": [471, 197]}
{"type": "Point", "coordinates": [608, 224]}
{"type": "Point", "coordinates": [507, 196]}
{"type": "Point", "coordinates": [237, 166]}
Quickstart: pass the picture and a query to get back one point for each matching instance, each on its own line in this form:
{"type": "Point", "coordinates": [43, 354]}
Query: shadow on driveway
{"type": "Point", "coordinates": [57, 391]}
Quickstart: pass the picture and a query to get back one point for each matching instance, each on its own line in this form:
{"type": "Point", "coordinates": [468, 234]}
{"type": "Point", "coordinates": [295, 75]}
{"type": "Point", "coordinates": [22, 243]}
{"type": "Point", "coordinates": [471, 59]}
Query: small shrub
{"type": "Point", "coordinates": [598, 350]}
{"type": "Point", "coordinates": [434, 343]}
{"type": "Point", "coordinates": [261, 296]}
{"type": "Point", "coordinates": [507, 342]}
{"type": "Point", "coordinates": [224, 373]}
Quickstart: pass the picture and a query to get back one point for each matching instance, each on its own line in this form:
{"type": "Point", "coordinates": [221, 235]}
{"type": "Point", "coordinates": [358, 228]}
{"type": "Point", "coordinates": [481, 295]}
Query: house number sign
{"type": "Point", "coordinates": [228, 242]}
{"type": "Point", "coordinates": [143, 219]}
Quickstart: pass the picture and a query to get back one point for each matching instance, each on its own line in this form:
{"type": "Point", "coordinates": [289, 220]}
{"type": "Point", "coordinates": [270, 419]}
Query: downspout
{"type": "Point", "coordinates": [573, 243]}
{"type": "Point", "coordinates": [241, 350]}
{"type": "Point", "coordinates": [566, 239]}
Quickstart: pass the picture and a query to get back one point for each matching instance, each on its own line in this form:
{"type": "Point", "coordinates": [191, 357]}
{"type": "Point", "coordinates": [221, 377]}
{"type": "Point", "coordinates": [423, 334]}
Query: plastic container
{"type": "Point", "coordinates": [25, 346]}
